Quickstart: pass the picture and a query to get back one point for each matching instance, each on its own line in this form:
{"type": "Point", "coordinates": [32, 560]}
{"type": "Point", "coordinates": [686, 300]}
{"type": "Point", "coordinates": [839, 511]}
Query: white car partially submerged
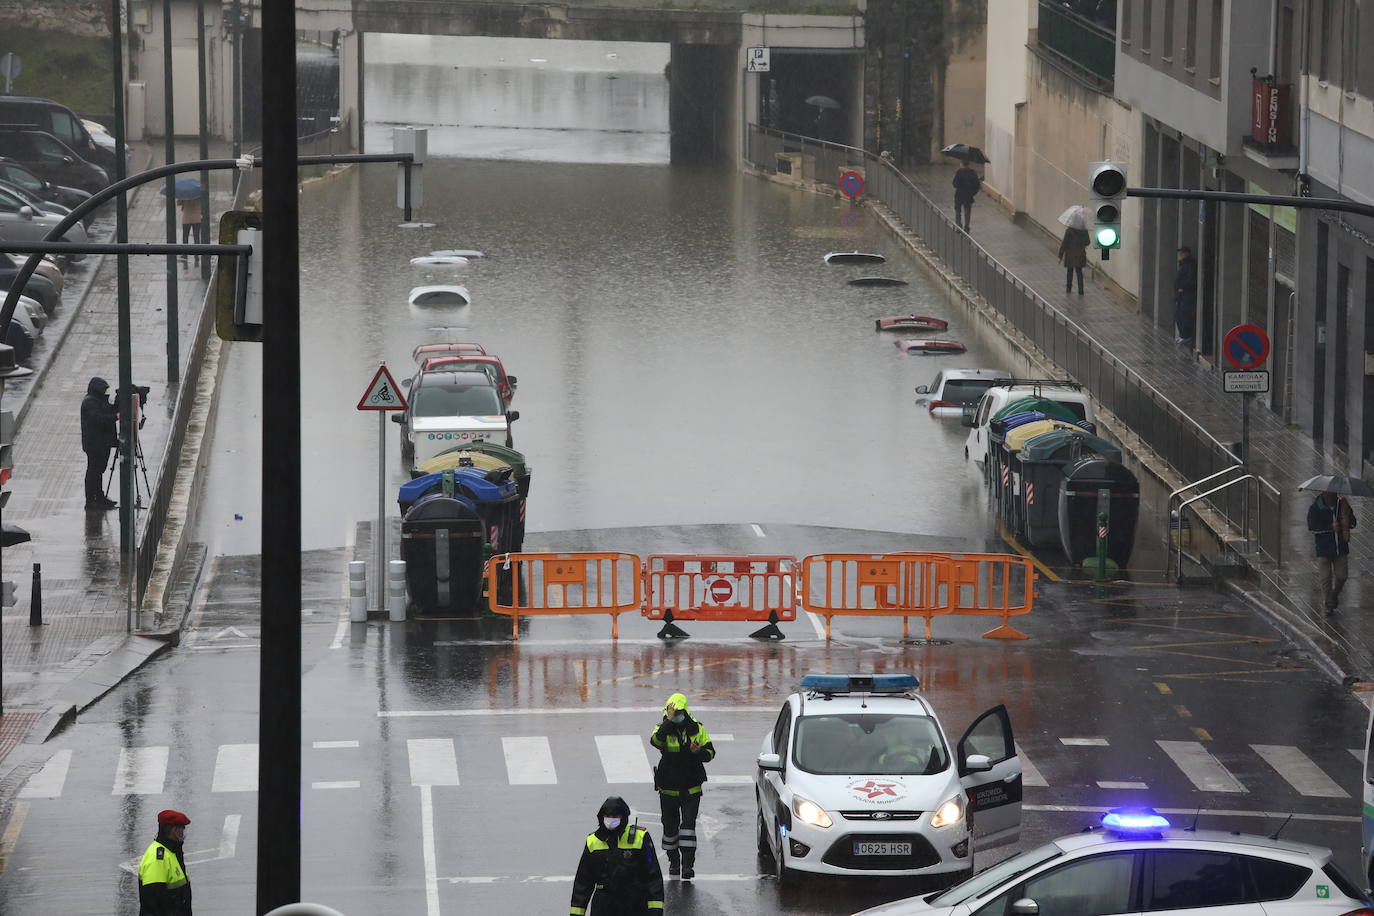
{"type": "Point", "coordinates": [857, 778]}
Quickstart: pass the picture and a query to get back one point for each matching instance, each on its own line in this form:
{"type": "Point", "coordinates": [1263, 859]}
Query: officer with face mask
{"type": "Point", "coordinates": [618, 873]}
{"type": "Point", "coordinates": [686, 748]}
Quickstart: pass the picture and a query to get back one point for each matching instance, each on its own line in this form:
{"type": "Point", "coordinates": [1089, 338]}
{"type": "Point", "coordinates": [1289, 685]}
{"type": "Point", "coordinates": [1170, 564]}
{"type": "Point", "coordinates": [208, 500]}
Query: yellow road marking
{"type": "Point", "coordinates": [1183, 712]}
{"type": "Point", "coordinates": [1202, 734]}
{"type": "Point", "coordinates": [1201, 642]}
{"type": "Point", "coordinates": [1163, 688]}
{"type": "Point", "coordinates": [11, 835]}
{"type": "Point", "coordinates": [674, 669]}
{"type": "Point", "coordinates": [1016, 545]}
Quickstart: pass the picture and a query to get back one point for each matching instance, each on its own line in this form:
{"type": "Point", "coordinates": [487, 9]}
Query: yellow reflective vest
{"type": "Point", "coordinates": [627, 872]}
{"type": "Point", "coordinates": [160, 866]}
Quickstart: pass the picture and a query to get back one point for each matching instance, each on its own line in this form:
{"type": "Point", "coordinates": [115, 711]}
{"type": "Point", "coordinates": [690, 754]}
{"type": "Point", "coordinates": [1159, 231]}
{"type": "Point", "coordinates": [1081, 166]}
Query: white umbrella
{"type": "Point", "coordinates": [822, 101]}
{"type": "Point", "coordinates": [1076, 217]}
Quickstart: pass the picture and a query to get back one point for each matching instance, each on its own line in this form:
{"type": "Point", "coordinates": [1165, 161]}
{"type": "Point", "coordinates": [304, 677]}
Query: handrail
{"type": "Point", "coordinates": [1169, 503]}
{"type": "Point", "coordinates": [1169, 555]}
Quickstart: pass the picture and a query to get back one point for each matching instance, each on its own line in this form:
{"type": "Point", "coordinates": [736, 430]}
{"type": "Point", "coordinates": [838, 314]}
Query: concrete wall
{"type": "Point", "coordinates": [964, 106]}
{"type": "Point", "coordinates": [146, 65]}
{"type": "Point", "coordinates": [1005, 93]}
{"type": "Point", "coordinates": [1339, 145]}
{"type": "Point", "coordinates": [1069, 126]}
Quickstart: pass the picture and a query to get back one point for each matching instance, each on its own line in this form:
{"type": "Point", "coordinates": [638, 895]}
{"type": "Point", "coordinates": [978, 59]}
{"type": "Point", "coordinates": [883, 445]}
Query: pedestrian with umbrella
{"type": "Point", "coordinates": [188, 191]}
{"type": "Point", "coordinates": [1332, 521]}
{"type": "Point", "coordinates": [1073, 249]}
{"type": "Point", "coordinates": [966, 182]}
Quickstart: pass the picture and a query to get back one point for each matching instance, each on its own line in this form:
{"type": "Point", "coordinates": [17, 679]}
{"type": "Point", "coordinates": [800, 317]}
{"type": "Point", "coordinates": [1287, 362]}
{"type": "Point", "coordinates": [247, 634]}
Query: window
{"type": "Point", "coordinates": [1166, 46]}
{"type": "Point", "coordinates": [65, 128]}
{"type": "Point", "coordinates": [1147, 23]}
{"type": "Point", "coordinates": [20, 178]}
{"type": "Point", "coordinates": [1321, 14]}
{"type": "Point", "coordinates": [48, 148]}
{"type": "Point", "coordinates": [1350, 48]}
{"type": "Point", "coordinates": [990, 735]}
{"type": "Point", "coordinates": [780, 730]}
{"type": "Point", "coordinates": [870, 744]}
{"type": "Point", "coordinates": [1277, 880]}
{"type": "Point", "coordinates": [9, 203]}
{"type": "Point", "coordinates": [1006, 870]}
{"type": "Point", "coordinates": [1217, 25]}
{"type": "Point", "coordinates": [1182, 879]}
{"type": "Point", "coordinates": [1190, 37]}
{"type": "Point", "coordinates": [1096, 886]}
{"type": "Point", "coordinates": [1126, 16]}
{"type": "Point", "coordinates": [443, 401]}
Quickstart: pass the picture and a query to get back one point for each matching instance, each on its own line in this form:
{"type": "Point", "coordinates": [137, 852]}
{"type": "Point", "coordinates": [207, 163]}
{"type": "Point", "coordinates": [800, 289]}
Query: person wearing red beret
{"type": "Point", "coordinates": [163, 886]}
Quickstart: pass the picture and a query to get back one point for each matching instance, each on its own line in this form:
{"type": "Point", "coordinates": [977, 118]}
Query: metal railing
{"type": "Point", "coordinates": [1078, 42]}
{"type": "Point", "coordinates": [1190, 450]}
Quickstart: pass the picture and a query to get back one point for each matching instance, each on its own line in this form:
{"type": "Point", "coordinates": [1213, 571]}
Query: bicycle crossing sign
{"type": "Point", "coordinates": [382, 393]}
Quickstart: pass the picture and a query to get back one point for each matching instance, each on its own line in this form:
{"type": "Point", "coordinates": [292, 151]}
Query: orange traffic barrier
{"type": "Point", "coordinates": [993, 585]}
{"type": "Point", "coordinates": [529, 584]}
{"type": "Point", "coordinates": [926, 585]}
{"type": "Point", "coordinates": [749, 587]}
{"type": "Point", "coordinates": [902, 585]}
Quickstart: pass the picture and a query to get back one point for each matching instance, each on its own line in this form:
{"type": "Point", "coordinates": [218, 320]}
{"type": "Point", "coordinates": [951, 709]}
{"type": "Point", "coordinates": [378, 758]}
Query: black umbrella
{"type": "Point", "coordinates": [1337, 483]}
{"type": "Point", "coordinates": [967, 153]}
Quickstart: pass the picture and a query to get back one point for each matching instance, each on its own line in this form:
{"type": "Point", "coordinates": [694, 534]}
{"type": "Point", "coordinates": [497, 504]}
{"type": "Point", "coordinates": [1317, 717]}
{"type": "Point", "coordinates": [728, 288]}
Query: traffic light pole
{"type": "Point", "coordinates": [1236, 197]}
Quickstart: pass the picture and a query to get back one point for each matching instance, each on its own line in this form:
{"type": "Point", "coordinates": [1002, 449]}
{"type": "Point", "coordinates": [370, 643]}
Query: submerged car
{"type": "Point", "coordinates": [445, 409]}
{"type": "Point", "coordinates": [473, 362]}
{"type": "Point", "coordinates": [1135, 862]}
{"type": "Point", "coordinates": [857, 778]}
{"type": "Point", "coordinates": [954, 389]}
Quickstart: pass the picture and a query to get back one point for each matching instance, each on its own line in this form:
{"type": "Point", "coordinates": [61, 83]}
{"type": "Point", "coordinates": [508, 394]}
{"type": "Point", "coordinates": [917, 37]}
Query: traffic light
{"type": "Point", "coordinates": [1107, 180]}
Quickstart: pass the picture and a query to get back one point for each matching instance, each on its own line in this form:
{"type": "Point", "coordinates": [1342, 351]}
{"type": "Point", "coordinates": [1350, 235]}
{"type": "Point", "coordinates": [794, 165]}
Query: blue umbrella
{"type": "Point", "coordinates": [187, 188]}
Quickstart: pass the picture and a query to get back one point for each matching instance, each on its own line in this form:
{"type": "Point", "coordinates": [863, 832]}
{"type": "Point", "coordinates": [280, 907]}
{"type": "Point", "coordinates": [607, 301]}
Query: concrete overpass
{"type": "Point", "coordinates": [814, 50]}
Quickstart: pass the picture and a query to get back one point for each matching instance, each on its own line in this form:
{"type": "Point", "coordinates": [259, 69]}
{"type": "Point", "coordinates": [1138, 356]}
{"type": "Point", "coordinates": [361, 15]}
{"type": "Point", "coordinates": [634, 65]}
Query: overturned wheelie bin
{"type": "Point", "coordinates": [444, 545]}
{"type": "Point", "coordinates": [492, 496]}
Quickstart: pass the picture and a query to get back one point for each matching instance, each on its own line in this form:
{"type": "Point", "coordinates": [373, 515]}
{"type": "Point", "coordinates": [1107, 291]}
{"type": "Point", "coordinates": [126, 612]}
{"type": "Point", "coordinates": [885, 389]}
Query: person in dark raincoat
{"type": "Point", "coordinates": [1185, 296]}
{"type": "Point", "coordinates": [1331, 521]}
{"type": "Point", "coordinates": [98, 435]}
{"type": "Point", "coordinates": [618, 874]}
{"type": "Point", "coordinates": [966, 186]}
{"type": "Point", "coordinates": [1073, 252]}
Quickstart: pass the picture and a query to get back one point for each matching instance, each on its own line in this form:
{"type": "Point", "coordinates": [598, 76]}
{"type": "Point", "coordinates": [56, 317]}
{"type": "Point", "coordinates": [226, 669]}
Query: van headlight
{"type": "Point", "coordinates": [951, 812]}
{"type": "Point", "coordinates": [810, 813]}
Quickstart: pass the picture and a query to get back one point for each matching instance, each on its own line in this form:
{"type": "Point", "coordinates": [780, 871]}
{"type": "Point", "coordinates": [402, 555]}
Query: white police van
{"type": "Point", "coordinates": [857, 778]}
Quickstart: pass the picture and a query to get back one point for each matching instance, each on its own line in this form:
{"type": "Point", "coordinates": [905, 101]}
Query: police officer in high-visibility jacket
{"type": "Point", "coordinates": [618, 872]}
{"type": "Point", "coordinates": [686, 748]}
{"type": "Point", "coordinates": [163, 887]}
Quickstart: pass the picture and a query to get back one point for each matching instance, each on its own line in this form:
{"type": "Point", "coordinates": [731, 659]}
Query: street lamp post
{"type": "Point", "coordinates": [169, 143]}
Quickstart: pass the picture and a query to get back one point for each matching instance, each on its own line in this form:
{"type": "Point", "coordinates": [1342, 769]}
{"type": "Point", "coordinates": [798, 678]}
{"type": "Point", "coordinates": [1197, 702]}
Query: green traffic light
{"type": "Point", "coordinates": [1106, 237]}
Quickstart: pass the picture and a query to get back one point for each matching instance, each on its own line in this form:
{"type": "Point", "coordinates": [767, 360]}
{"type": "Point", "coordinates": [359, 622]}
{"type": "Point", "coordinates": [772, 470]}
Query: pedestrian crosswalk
{"type": "Point", "coordinates": [624, 759]}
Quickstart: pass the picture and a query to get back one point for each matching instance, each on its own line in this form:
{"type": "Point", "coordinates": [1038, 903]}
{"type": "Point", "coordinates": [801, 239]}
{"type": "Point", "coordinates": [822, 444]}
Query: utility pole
{"type": "Point", "coordinates": [169, 144]}
{"type": "Point", "coordinates": [237, 88]}
{"type": "Point", "coordinates": [279, 708]}
{"type": "Point", "coordinates": [125, 393]}
{"type": "Point", "coordinates": [203, 230]}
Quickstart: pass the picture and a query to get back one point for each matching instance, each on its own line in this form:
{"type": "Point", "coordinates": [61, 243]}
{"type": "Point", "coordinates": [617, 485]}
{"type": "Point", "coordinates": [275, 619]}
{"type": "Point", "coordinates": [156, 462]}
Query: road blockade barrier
{"type": "Point", "coordinates": [926, 585]}
{"type": "Point", "coordinates": [993, 585]}
{"type": "Point", "coordinates": [745, 587]}
{"type": "Point", "coordinates": [530, 584]}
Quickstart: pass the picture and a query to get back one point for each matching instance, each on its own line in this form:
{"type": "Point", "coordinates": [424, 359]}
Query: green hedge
{"type": "Point", "coordinates": [75, 71]}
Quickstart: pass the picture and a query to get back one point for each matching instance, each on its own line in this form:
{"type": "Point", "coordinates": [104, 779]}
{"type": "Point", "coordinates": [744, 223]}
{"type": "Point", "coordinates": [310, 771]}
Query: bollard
{"type": "Point", "coordinates": [36, 597]}
{"type": "Point", "coordinates": [1101, 575]}
{"type": "Point", "coordinates": [396, 589]}
{"type": "Point", "coordinates": [357, 591]}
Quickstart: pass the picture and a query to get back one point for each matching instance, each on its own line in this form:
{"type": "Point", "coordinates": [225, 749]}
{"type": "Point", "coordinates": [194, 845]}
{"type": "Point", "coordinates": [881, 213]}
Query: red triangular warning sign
{"type": "Point", "coordinates": [382, 393]}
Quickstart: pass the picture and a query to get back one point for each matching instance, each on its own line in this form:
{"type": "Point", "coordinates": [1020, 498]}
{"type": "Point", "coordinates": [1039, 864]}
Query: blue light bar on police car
{"type": "Point", "coordinates": [860, 683]}
{"type": "Point", "coordinates": [1135, 820]}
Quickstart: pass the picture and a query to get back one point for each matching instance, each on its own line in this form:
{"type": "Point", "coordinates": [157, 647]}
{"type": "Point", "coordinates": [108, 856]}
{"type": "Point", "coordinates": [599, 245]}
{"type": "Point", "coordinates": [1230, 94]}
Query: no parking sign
{"type": "Point", "coordinates": [851, 184]}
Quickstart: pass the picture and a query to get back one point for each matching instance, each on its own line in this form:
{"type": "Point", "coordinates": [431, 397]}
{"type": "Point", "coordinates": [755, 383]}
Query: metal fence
{"type": "Point", "coordinates": [1193, 452]}
{"type": "Point", "coordinates": [1080, 43]}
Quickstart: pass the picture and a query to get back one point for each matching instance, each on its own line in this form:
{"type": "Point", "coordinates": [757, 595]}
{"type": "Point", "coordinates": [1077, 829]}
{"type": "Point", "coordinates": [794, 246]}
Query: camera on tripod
{"type": "Point", "coordinates": [142, 392]}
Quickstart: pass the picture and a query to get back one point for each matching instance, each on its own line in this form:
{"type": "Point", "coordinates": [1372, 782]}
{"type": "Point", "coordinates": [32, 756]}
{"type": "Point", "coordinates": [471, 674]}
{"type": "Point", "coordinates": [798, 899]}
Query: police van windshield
{"type": "Point", "coordinates": [444, 401]}
{"type": "Point", "coordinates": [869, 744]}
{"type": "Point", "coordinates": [996, 876]}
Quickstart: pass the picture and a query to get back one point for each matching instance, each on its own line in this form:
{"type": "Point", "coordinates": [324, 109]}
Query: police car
{"type": "Point", "coordinates": [1136, 862]}
{"type": "Point", "coordinates": [857, 778]}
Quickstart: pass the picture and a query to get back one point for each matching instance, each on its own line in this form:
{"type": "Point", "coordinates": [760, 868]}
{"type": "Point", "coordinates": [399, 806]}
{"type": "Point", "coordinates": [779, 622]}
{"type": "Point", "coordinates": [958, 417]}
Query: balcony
{"type": "Point", "coordinates": [1270, 142]}
{"type": "Point", "coordinates": [1077, 43]}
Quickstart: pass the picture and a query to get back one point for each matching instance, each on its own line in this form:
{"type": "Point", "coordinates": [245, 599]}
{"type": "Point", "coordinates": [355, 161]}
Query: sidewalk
{"type": "Point", "coordinates": [84, 647]}
{"type": "Point", "coordinates": [1283, 456]}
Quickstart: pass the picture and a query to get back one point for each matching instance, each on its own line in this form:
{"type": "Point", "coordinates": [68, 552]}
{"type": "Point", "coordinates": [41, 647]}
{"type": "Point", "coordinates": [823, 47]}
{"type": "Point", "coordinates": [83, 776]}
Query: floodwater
{"type": "Point", "coordinates": [684, 355]}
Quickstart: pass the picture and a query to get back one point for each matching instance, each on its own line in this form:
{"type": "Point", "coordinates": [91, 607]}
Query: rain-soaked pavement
{"type": "Point", "coordinates": [692, 379]}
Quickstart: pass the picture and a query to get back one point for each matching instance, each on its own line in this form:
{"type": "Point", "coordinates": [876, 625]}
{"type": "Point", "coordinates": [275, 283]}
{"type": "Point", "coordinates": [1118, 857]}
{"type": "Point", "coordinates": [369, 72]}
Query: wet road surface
{"type": "Point", "coordinates": [448, 769]}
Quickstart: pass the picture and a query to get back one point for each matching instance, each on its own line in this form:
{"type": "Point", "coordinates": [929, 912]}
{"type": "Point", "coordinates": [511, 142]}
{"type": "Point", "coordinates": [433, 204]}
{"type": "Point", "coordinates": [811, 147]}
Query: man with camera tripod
{"type": "Point", "coordinates": [98, 436]}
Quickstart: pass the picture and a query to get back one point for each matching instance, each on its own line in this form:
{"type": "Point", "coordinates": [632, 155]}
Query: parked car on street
{"type": "Point", "coordinates": [450, 408]}
{"type": "Point", "coordinates": [16, 174]}
{"type": "Point", "coordinates": [38, 287]}
{"type": "Point", "coordinates": [21, 221]}
{"type": "Point", "coordinates": [50, 158]}
{"type": "Point", "coordinates": [28, 113]}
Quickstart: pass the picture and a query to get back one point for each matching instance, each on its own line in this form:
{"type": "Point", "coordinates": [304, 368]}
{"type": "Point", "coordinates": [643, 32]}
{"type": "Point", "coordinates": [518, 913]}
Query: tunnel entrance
{"type": "Point", "coordinates": [703, 103]}
{"type": "Point", "coordinates": [813, 93]}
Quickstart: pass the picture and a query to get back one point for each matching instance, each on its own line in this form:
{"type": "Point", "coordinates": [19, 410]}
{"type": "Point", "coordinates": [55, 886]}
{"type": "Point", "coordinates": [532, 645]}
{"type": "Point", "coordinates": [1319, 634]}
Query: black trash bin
{"type": "Point", "coordinates": [442, 542]}
{"type": "Point", "coordinates": [1078, 509]}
